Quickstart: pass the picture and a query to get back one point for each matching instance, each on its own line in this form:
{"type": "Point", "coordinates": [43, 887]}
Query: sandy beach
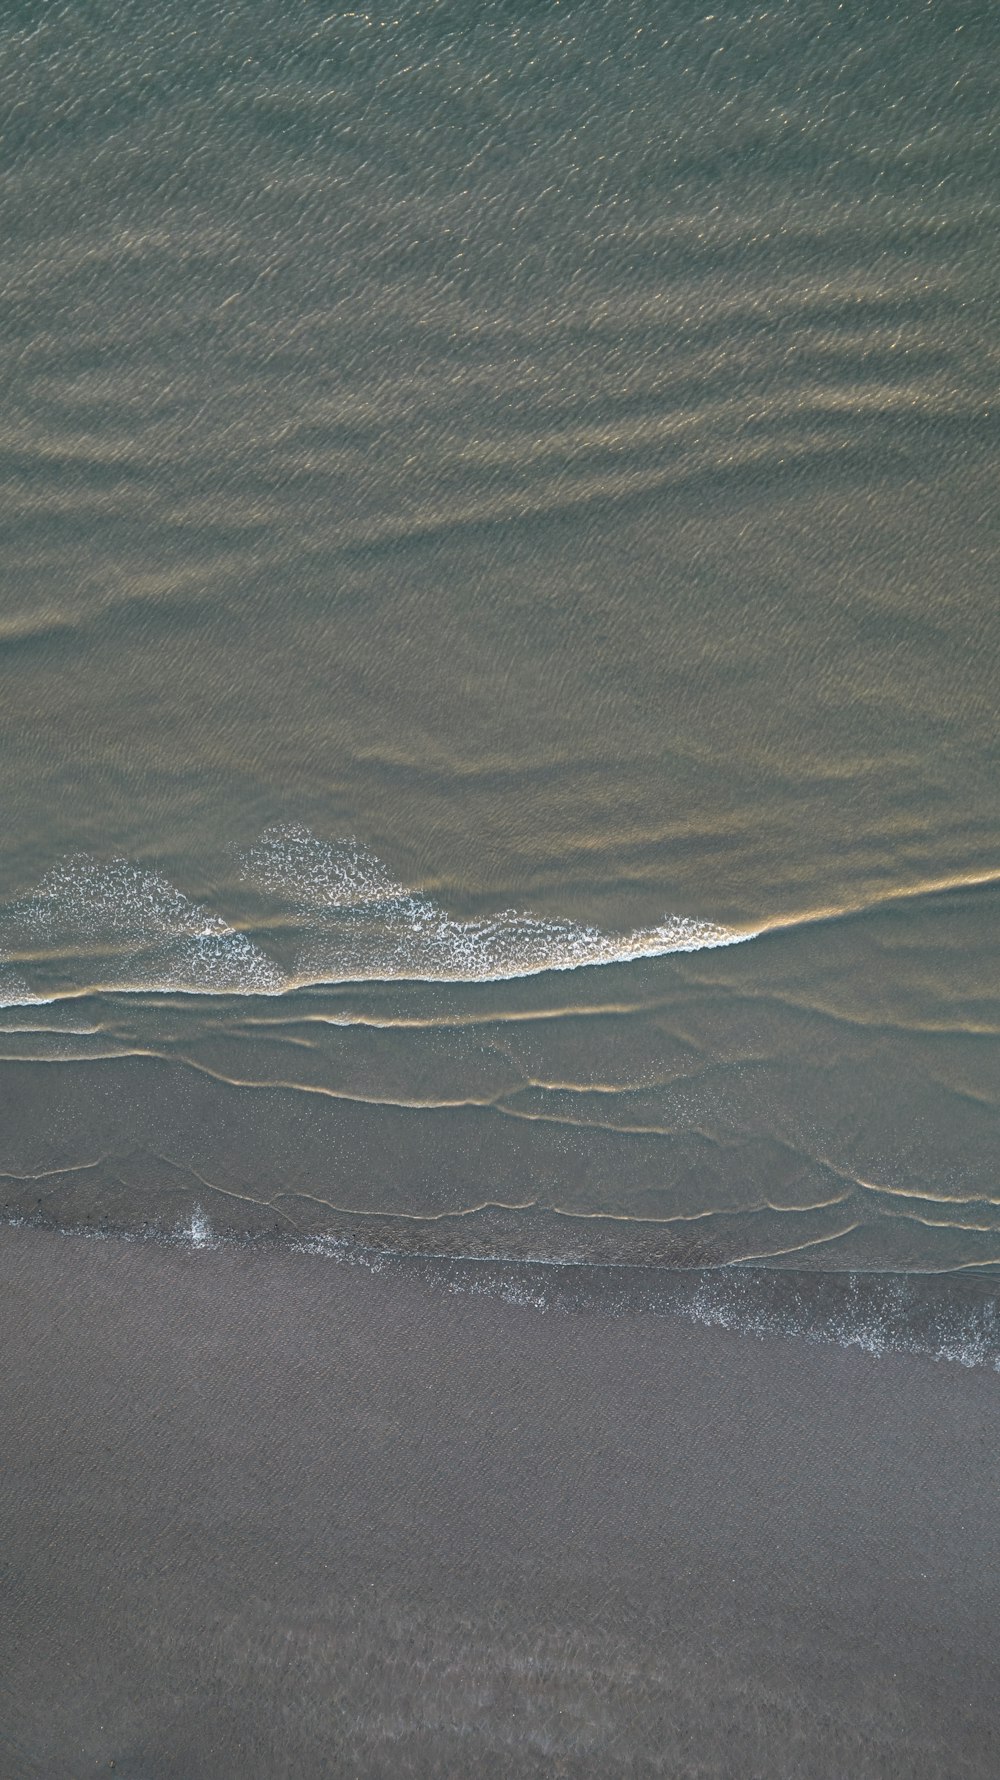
{"type": "Point", "coordinates": [268, 1514]}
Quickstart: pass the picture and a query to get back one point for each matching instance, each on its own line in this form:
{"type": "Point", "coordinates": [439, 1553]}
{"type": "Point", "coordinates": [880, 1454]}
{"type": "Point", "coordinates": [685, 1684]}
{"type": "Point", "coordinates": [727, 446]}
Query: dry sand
{"type": "Point", "coordinates": [264, 1514]}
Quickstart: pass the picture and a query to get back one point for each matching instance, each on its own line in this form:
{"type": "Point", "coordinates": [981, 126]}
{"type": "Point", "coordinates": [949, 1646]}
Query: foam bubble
{"type": "Point", "coordinates": [197, 1231]}
{"type": "Point", "coordinates": [879, 1313]}
{"type": "Point", "coordinates": [360, 924]}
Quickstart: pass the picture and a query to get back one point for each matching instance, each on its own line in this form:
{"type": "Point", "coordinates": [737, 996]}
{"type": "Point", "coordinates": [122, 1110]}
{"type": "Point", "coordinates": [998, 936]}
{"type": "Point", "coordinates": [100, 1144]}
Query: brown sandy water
{"type": "Point", "coordinates": [490, 495]}
{"type": "Point", "coordinates": [824, 1095]}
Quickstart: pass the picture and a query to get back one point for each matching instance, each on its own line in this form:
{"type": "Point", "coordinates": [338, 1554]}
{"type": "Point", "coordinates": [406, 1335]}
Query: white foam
{"type": "Point", "coordinates": [875, 1315]}
{"type": "Point", "coordinates": [360, 924]}
{"type": "Point", "coordinates": [145, 933]}
{"type": "Point", "coordinates": [15, 991]}
{"type": "Point", "coordinates": [131, 930]}
{"type": "Point", "coordinates": [198, 1231]}
{"type": "Point", "coordinates": [875, 1311]}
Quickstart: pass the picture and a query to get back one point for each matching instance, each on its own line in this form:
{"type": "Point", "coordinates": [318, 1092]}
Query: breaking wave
{"type": "Point", "coordinates": [361, 925]}
{"type": "Point", "coordinates": [15, 991]}
{"type": "Point", "coordinates": [114, 925]}
{"type": "Point", "coordinates": [132, 929]}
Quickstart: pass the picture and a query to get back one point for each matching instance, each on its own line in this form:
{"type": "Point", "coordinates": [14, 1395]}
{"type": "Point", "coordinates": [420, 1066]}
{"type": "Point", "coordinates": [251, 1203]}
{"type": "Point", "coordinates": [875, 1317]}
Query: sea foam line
{"type": "Point", "coordinates": [356, 921]}
{"type": "Point", "coordinates": [879, 1312]}
{"type": "Point", "coordinates": [357, 924]}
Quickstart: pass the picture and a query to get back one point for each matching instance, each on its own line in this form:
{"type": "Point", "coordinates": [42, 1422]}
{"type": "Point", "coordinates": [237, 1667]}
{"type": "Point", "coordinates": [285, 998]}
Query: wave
{"type": "Point", "coordinates": [15, 991]}
{"type": "Point", "coordinates": [147, 934]}
{"type": "Point", "coordinates": [113, 925]}
{"type": "Point", "coordinates": [356, 922]}
{"type": "Point", "coordinates": [363, 925]}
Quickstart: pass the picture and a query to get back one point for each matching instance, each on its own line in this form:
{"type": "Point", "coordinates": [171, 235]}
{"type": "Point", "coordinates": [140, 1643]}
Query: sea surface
{"type": "Point", "coordinates": [500, 629]}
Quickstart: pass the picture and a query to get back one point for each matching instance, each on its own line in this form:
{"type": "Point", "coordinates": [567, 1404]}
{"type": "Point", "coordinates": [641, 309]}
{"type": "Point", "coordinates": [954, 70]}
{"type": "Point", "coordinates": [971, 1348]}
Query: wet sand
{"type": "Point", "coordinates": [271, 1515]}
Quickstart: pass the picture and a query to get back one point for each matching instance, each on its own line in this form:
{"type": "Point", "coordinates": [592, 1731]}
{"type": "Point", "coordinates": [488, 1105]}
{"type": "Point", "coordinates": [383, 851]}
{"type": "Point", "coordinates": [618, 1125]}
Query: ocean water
{"type": "Point", "coordinates": [500, 630]}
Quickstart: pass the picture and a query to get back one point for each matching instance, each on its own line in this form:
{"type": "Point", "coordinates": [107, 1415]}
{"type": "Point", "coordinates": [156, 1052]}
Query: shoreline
{"type": "Point", "coordinates": [268, 1517]}
{"type": "Point", "coordinates": [950, 1315]}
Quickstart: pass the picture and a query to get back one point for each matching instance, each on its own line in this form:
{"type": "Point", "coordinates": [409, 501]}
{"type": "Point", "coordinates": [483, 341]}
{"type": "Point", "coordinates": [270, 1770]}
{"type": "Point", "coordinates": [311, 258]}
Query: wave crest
{"type": "Point", "coordinates": [115, 925]}
{"type": "Point", "coordinates": [361, 924]}
{"type": "Point", "coordinates": [146, 933]}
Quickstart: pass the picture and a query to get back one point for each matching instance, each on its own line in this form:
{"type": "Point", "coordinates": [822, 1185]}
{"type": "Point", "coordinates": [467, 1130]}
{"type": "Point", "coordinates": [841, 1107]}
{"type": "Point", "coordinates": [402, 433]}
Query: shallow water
{"type": "Point", "coordinates": [499, 649]}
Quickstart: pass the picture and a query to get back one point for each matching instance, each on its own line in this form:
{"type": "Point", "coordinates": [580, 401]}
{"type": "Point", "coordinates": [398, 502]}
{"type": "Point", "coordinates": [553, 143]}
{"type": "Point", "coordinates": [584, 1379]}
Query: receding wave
{"type": "Point", "coordinates": [114, 925]}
